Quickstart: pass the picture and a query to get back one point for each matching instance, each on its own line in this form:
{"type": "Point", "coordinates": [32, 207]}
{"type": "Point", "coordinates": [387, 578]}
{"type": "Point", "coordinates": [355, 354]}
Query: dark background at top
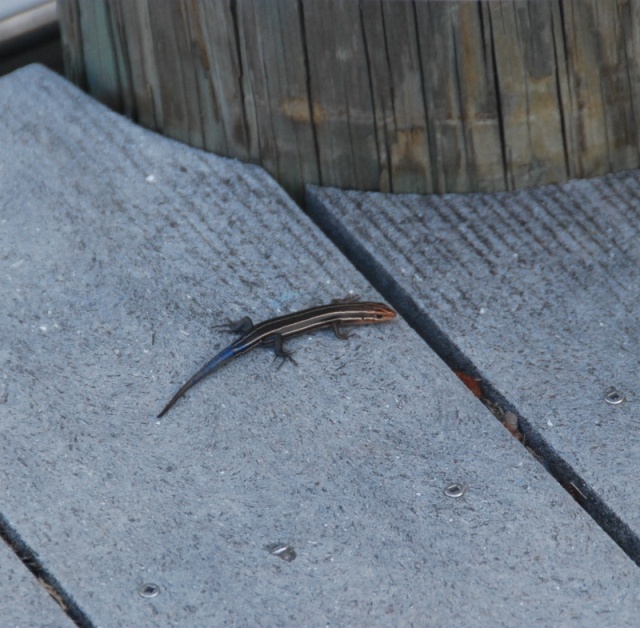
{"type": "Point", "coordinates": [47, 52]}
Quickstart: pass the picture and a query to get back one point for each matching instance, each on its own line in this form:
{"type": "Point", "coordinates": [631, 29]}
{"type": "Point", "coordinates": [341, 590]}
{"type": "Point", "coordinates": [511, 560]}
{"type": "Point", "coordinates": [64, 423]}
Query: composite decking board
{"type": "Point", "coordinates": [538, 289]}
{"type": "Point", "coordinates": [120, 251]}
{"type": "Point", "coordinates": [24, 602]}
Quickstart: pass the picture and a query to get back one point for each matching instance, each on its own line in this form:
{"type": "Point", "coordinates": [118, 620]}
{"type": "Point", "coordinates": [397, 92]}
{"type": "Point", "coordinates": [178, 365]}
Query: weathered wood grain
{"type": "Point", "coordinates": [275, 90]}
{"type": "Point", "coordinates": [398, 104]}
{"type": "Point", "coordinates": [424, 96]}
{"type": "Point", "coordinates": [526, 87]}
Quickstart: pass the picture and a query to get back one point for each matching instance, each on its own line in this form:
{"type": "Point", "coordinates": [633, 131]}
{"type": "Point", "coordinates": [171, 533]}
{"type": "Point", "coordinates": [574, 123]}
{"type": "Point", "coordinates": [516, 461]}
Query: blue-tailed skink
{"type": "Point", "coordinates": [275, 330]}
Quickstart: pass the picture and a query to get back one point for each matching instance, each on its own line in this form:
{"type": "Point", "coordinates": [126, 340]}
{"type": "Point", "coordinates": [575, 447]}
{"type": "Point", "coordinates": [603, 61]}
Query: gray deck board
{"type": "Point", "coordinates": [120, 251]}
{"type": "Point", "coordinates": [539, 290]}
{"type": "Point", "coordinates": [24, 602]}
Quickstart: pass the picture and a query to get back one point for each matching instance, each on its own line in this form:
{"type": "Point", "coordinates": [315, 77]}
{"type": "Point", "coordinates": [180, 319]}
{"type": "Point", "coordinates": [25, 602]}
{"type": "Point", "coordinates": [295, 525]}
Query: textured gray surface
{"type": "Point", "coordinates": [23, 602]}
{"type": "Point", "coordinates": [120, 250]}
{"type": "Point", "coordinates": [540, 289]}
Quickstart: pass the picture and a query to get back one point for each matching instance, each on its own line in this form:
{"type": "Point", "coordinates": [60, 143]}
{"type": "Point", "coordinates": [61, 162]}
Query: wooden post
{"type": "Point", "coordinates": [401, 96]}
